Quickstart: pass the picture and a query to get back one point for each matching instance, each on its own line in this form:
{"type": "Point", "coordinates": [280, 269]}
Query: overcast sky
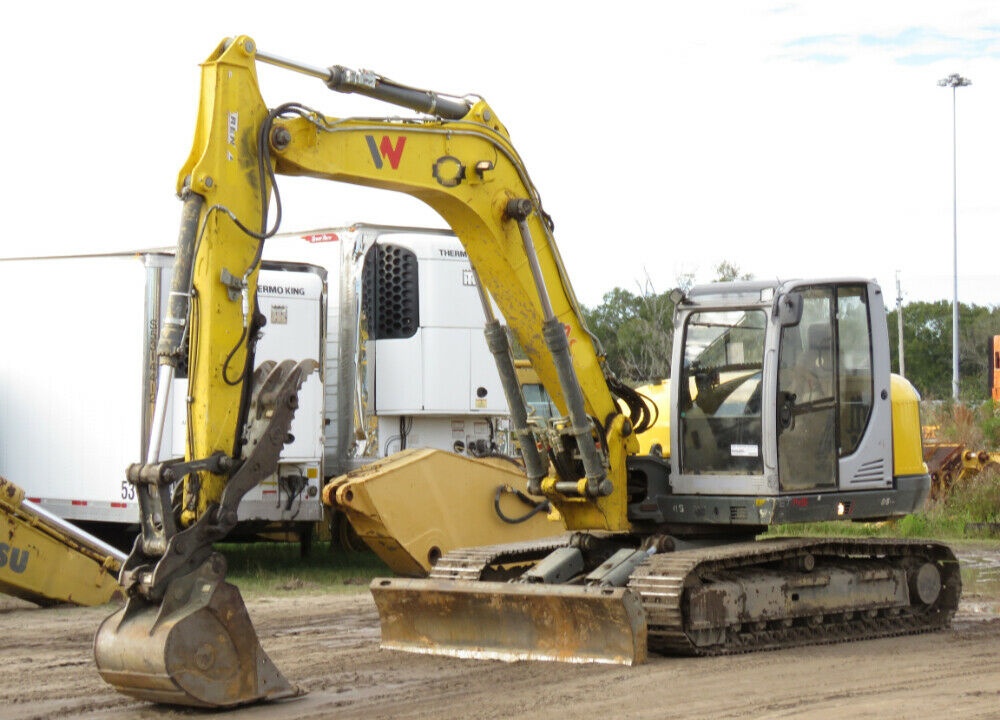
{"type": "Point", "coordinates": [793, 139]}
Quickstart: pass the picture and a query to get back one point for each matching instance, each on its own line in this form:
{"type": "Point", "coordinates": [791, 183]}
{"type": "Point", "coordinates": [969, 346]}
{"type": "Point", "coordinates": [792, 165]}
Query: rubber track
{"type": "Point", "coordinates": [660, 582]}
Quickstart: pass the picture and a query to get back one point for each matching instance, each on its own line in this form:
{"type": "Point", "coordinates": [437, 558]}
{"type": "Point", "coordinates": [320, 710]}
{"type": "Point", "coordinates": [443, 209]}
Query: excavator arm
{"type": "Point", "coordinates": [184, 636]}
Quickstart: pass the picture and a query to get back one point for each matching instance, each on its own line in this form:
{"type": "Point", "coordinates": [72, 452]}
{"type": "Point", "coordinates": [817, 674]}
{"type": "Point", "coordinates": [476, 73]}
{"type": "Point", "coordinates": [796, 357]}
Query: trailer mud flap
{"type": "Point", "coordinates": [511, 621]}
{"type": "Point", "coordinates": [198, 648]}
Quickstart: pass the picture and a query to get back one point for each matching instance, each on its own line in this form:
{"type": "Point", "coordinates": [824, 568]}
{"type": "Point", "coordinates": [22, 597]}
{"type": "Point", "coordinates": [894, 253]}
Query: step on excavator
{"type": "Point", "coordinates": [782, 410]}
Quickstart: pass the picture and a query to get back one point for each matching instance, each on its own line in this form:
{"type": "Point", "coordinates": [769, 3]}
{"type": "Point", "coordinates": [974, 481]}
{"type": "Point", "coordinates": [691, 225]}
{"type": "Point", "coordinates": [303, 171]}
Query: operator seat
{"type": "Point", "coordinates": [813, 374]}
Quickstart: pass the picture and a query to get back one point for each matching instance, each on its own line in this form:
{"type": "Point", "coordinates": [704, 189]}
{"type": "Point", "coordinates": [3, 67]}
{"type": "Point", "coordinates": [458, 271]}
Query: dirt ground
{"type": "Point", "coordinates": [328, 645]}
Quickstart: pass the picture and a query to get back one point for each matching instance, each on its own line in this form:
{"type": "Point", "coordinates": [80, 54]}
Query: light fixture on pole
{"type": "Point", "coordinates": [954, 81]}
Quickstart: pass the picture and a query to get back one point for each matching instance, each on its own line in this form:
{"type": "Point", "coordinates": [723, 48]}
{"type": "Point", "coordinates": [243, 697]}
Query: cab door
{"type": "Point", "coordinates": [826, 394]}
{"type": "Point", "coordinates": [807, 400]}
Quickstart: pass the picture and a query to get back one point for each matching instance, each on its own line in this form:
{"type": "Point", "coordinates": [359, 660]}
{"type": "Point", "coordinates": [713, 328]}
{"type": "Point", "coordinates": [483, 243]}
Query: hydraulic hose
{"type": "Point", "coordinates": [536, 506]}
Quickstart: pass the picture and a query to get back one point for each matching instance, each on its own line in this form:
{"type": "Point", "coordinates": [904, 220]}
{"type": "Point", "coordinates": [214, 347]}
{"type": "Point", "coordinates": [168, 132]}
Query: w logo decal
{"type": "Point", "coordinates": [385, 150]}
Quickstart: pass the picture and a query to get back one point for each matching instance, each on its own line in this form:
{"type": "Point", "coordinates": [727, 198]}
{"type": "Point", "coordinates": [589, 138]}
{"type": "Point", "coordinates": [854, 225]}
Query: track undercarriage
{"type": "Point", "coordinates": [783, 593]}
{"type": "Point", "coordinates": [711, 600]}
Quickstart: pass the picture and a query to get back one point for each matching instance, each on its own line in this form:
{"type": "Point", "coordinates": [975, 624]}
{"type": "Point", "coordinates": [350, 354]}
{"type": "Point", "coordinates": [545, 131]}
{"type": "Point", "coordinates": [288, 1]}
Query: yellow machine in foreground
{"type": "Point", "coordinates": [47, 560]}
{"type": "Point", "coordinates": [782, 410]}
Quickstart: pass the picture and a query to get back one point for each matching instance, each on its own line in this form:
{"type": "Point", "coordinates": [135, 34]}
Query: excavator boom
{"type": "Point", "coordinates": [46, 560]}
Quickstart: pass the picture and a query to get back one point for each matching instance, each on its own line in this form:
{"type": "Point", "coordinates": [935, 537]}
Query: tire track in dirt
{"type": "Point", "coordinates": [329, 646]}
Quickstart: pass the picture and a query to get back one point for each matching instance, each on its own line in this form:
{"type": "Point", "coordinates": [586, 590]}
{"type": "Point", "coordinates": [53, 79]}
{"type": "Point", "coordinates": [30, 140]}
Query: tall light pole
{"type": "Point", "coordinates": [899, 325]}
{"type": "Point", "coordinates": [954, 81]}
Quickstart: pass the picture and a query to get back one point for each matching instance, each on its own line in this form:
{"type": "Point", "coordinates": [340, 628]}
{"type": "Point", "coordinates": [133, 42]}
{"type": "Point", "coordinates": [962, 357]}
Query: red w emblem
{"type": "Point", "coordinates": [386, 150]}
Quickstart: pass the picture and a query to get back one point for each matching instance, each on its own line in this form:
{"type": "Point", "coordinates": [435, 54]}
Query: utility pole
{"type": "Point", "coordinates": [899, 322]}
{"type": "Point", "coordinates": [954, 81]}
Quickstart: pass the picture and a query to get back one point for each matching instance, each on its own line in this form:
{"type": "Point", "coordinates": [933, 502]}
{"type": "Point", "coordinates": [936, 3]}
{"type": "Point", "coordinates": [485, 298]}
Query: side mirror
{"type": "Point", "coordinates": [788, 309]}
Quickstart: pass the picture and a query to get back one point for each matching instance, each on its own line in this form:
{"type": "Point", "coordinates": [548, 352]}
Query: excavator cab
{"type": "Point", "coordinates": [784, 405]}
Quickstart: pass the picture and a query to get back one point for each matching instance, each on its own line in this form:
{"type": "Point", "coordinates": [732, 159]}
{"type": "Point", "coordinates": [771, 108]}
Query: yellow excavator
{"type": "Point", "coordinates": [47, 560]}
{"type": "Point", "coordinates": [782, 410]}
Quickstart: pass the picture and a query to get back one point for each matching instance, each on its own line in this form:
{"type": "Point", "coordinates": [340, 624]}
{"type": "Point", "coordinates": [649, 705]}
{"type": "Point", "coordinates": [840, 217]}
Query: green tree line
{"type": "Point", "coordinates": [636, 332]}
{"type": "Point", "coordinates": [927, 348]}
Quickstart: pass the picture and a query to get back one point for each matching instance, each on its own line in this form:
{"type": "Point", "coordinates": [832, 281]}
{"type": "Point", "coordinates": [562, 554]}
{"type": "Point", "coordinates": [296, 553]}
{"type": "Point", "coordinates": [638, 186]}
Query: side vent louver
{"type": "Point", "coordinates": [871, 471]}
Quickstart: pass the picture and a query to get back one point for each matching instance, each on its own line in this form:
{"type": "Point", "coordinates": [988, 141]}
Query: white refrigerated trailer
{"type": "Point", "coordinates": [392, 314]}
{"type": "Point", "coordinates": [77, 367]}
{"type": "Point", "coordinates": [407, 363]}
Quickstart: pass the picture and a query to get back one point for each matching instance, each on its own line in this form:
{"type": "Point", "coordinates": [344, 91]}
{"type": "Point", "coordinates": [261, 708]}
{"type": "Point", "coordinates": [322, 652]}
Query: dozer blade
{"type": "Point", "coordinates": [198, 647]}
{"type": "Point", "coordinates": [511, 621]}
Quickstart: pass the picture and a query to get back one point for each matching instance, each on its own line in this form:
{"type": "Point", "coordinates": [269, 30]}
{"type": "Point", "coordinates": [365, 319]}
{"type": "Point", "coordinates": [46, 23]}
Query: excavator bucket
{"type": "Point", "coordinates": [198, 648]}
{"type": "Point", "coordinates": [511, 621]}
{"type": "Point", "coordinates": [420, 503]}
